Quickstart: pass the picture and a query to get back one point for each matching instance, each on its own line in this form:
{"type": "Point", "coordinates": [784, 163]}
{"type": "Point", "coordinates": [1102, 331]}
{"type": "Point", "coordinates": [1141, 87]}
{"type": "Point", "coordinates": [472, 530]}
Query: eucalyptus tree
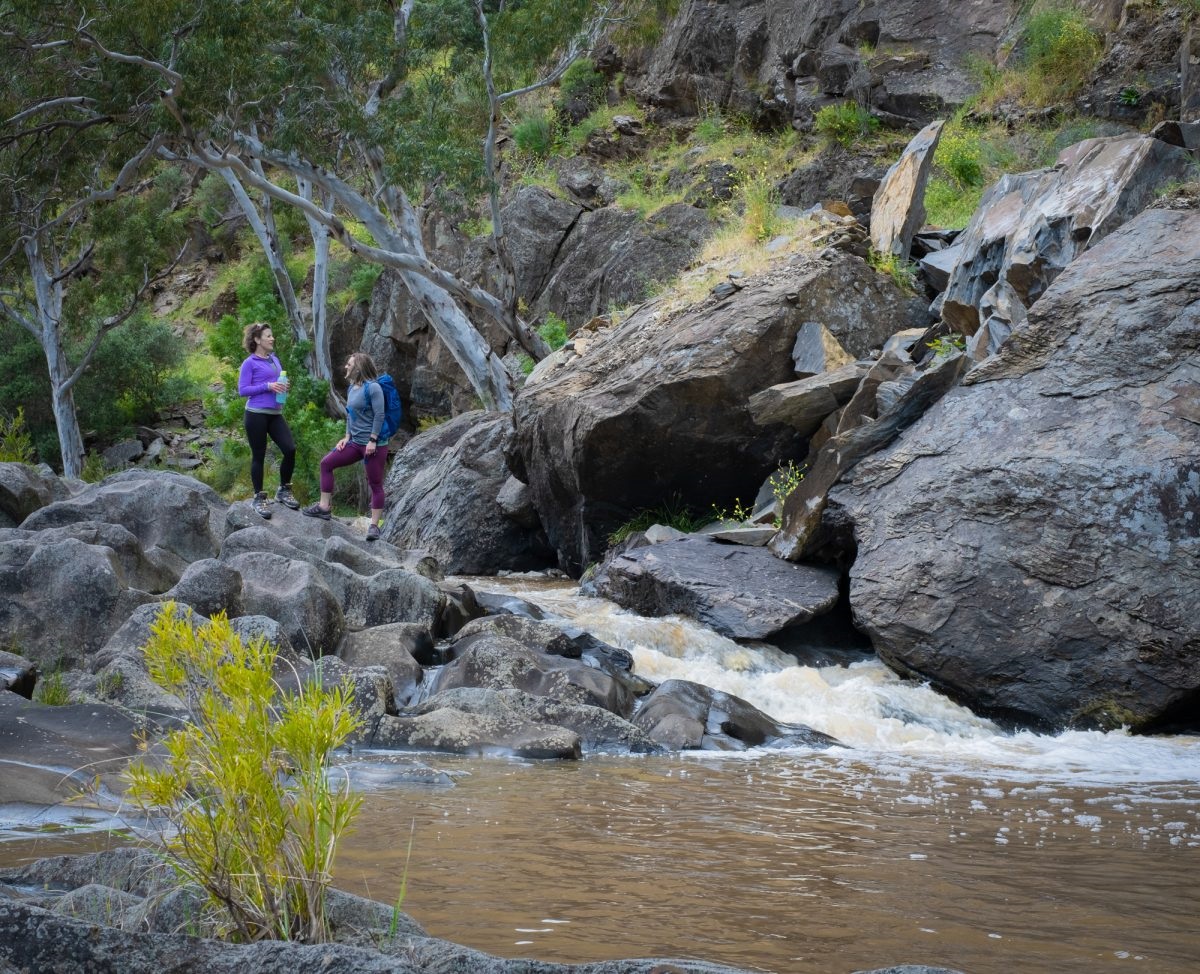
{"type": "Point", "coordinates": [82, 241]}
{"type": "Point", "coordinates": [357, 112]}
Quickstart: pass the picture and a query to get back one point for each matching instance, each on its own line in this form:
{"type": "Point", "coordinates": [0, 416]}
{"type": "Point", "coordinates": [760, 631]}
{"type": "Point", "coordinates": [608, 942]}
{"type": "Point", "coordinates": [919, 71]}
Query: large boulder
{"type": "Point", "coordinates": [898, 208]}
{"type": "Point", "coordinates": [612, 256]}
{"type": "Point", "coordinates": [24, 489]}
{"type": "Point", "coordinates": [1031, 544]}
{"type": "Point", "coordinates": [741, 592]}
{"type": "Point", "coordinates": [1030, 226]}
{"type": "Point", "coordinates": [62, 598]}
{"type": "Point", "coordinates": [444, 493]}
{"type": "Point", "coordinates": [177, 519]}
{"type": "Point", "coordinates": [658, 406]}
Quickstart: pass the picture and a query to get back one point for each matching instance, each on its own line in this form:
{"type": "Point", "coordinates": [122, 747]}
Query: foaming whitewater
{"type": "Point", "coordinates": [877, 715]}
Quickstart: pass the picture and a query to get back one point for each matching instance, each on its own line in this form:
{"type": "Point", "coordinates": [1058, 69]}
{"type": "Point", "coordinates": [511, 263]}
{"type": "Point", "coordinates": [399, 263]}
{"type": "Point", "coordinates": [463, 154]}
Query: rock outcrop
{"type": "Point", "coordinates": [772, 60]}
{"type": "Point", "coordinates": [1030, 545]}
{"type": "Point", "coordinates": [1030, 226]}
{"type": "Point", "coordinates": [444, 496]}
{"type": "Point", "coordinates": [658, 406]}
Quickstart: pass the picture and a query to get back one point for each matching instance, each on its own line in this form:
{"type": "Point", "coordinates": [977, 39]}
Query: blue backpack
{"type": "Point", "coordinates": [393, 409]}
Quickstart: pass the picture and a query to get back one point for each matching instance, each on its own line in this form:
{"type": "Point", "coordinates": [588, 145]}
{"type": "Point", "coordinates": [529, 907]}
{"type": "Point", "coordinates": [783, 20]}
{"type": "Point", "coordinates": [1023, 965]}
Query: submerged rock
{"type": "Point", "coordinates": [738, 591]}
{"type": "Point", "coordinates": [684, 715]}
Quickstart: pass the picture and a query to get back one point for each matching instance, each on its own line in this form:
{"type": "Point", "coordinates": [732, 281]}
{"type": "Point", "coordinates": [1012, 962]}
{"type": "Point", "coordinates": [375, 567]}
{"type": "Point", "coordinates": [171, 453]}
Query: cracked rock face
{"type": "Point", "coordinates": [1032, 544]}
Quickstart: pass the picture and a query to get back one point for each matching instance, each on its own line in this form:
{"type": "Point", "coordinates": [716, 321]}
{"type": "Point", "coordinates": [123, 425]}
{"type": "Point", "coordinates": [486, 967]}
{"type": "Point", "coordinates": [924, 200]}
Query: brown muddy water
{"type": "Point", "coordinates": [931, 837]}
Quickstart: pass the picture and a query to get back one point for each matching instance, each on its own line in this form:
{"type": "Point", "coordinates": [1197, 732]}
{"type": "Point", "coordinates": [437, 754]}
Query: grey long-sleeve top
{"type": "Point", "coordinates": [364, 416]}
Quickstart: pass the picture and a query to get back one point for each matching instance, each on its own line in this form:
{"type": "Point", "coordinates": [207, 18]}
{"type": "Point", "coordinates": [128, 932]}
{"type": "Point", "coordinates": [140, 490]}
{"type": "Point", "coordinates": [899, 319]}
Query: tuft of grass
{"type": "Point", "coordinates": [94, 468]}
{"type": "Point", "coordinates": [534, 134]}
{"type": "Point", "coordinates": [846, 123]}
{"type": "Point", "coordinates": [673, 513]}
{"type": "Point", "coordinates": [902, 272]}
{"type": "Point", "coordinates": [51, 690]}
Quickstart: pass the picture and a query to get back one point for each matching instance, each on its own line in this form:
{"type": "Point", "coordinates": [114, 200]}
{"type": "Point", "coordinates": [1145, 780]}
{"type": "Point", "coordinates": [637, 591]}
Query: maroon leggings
{"type": "Point", "coordinates": [352, 453]}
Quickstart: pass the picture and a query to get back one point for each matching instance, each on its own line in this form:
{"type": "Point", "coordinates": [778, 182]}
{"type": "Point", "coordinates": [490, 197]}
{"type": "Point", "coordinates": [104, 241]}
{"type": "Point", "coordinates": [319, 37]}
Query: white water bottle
{"type": "Point", "coordinates": [281, 397]}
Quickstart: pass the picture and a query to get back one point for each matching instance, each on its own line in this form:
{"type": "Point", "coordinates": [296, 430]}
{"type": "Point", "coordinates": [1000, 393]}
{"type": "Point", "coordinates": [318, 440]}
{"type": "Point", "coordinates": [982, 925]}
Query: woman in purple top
{"type": "Point", "coordinates": [364, 421]}
{"type": "Point", "coordinates": [259, 382]}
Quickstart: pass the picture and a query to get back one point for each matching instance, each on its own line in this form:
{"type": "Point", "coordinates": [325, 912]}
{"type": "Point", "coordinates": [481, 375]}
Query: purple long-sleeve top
{"type": "Point", "coordinates": [253, 378]}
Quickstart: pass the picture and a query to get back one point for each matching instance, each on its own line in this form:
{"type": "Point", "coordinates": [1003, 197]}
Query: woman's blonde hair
{"type": "Point", "coordinates": [361, 368]}
{"type": "Point", "coordinates": [252, 334]}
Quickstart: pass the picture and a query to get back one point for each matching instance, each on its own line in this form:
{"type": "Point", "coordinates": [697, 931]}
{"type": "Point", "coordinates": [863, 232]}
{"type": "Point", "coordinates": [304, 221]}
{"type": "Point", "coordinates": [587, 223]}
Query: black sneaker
{"type": "Point", "coordinates": [284, 496]}
{"type": "Point", "coordinates": [261, 505]}
{"type": "Point", "coordinates": [316, 510]}
{"type": "Point", "coordinates": [373, 532]}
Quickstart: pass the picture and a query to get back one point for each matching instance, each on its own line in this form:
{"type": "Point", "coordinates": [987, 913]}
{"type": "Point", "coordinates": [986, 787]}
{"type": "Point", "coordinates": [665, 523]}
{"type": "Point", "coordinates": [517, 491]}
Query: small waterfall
{"type": "Point", "coordinates": [865, 705]}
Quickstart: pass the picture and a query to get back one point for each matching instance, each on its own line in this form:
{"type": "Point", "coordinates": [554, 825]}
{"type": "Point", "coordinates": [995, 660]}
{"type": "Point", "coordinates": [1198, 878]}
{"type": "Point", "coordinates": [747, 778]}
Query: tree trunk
{"type": "Point", "coordinates": [66, 418]}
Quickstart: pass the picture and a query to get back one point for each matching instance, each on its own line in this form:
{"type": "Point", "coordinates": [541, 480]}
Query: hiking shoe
{"type": "Point", "coordinates": [373, 532]}
{"type": "Point", "coordinates": [316, 510]}
{"type": "Point", "coordinates": [261, 505]}
{"type": "Point", "coordinates": [284, 496]}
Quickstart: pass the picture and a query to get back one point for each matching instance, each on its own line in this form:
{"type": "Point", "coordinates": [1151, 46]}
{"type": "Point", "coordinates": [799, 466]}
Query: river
{"type": "Point", "coordinates": [930, 837]}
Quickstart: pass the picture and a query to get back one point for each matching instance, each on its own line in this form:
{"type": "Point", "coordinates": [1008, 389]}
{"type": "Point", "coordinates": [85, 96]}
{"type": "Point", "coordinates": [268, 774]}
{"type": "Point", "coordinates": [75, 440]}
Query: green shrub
{"type": "Point", "coordinates": [362, 281]}
{"type": "Point", "coordinates": [533, 134]}
{"type": "Point", "coordinates": [16, 445]}
{"type": "Point", "coordinates": [254, 817]}
{"type": "Point", "coordinates": [583, 82]}
{"type": "Point", "coordinates": [1060, 50]}
{"type": "Point", "coordinates": [94, 468]}
{"type": "Point", "coordinates": [845, 123]}
{"type": "Point", "coordinates": [960, 155]}
{"type": "Point", "coordinates": [554, 331]}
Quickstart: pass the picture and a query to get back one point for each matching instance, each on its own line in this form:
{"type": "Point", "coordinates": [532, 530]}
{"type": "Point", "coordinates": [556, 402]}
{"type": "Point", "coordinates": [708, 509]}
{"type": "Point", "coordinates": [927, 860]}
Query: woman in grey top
{"type": "Point", "coordinates": [364, 420]}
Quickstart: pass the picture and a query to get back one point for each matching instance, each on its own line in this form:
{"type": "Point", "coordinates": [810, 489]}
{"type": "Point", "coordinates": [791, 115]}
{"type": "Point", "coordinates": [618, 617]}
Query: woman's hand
{"type": "Point", "coordinates": [341, 444]}
{"type": "Point", "coordinates": [370, 447]}
{"type": "Point", "coordinates": [277, 386]}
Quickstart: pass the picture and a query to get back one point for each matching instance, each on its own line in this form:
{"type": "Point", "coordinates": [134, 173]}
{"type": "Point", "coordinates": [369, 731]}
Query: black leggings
{"type": "Point", "coordinates": [258, 427]}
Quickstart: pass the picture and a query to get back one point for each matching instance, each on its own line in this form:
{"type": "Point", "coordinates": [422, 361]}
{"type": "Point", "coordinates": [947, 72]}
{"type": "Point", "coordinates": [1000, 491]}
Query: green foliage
{"type": "Point", "coordinates": [16, 445]}
{"type": "Point", "coordinates": [902, 272]}
{"type": "Point", "coordinates": [51, 690]}
{"type": "Point", "coordinates": [554, 331]}
{"type": "Point", "coordinates": [673, 513]}
{"type": "Point", "coordinates": [947, 345]}
{"type": "Point", "coordinates": [1060, 49]}
{"type": "Point", "coordinates": [1129, 96]}
{"type": "Point", "coordinates": [737, 514]}
{"type": "Point", "coordinates": [846, 123]}
{"type": "Point", "coordinates": [760, 208]}
{"type": "Point", "coordinates": [949, 205]}
{"type": "Point", "coordinates": [783, 481]}
{"type": "Point", "coordinates": [362, 281]}
{"type": "Point", "coordinates": [583, 82]}
{"type": "Point", "coordinates": [429, 422]}
{"type": "Point", "coordinates": [254, 816]}
{"type": "Point", "coordinates": [960, 155]}
{"type": "Point", "coordinates": [710, 128]}
{"type": "Point", "coordinates": [533, 134]}
{"type": "Point", "coordinates": [94, 469]}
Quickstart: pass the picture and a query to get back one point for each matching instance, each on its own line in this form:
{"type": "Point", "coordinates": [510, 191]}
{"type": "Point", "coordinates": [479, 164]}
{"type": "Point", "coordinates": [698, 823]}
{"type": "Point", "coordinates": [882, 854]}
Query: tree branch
{"type": "Point", "coordinates": [51, 103]}
{"type": "Point", "coordinates": [111, 322]}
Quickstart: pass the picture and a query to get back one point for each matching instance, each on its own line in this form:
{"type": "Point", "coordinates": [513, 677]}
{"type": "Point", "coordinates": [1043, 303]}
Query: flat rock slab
{"type": "Point", "coordinates": [51, 753]}
{"type": "Point", "coordinates": [740, 592]}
